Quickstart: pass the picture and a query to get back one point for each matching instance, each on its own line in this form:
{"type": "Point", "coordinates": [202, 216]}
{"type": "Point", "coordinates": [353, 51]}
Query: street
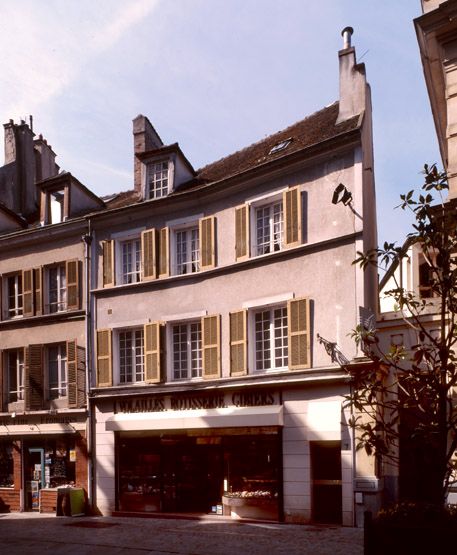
{"type": "Point", "coordinates": [28, 533]}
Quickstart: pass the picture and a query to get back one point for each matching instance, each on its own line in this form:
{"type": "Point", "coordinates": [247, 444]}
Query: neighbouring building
{"type": "Point", "coordinates": [208, 291]}
{"type": "Point", "coordinates": [436, 31]}
{"type": "Point", "coordinates": [43, 416]}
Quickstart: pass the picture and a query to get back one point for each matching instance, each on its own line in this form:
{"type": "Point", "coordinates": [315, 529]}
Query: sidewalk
{"type": "Point", "coordinates": [24, 533]}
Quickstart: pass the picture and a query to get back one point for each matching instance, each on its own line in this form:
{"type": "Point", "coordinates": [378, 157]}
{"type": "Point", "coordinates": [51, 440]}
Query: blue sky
{"type": "Point", "coordinates": [213, 75]}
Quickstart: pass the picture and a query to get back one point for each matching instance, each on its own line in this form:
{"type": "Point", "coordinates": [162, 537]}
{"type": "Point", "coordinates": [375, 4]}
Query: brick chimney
{"type": "Point", "coordinates": [45, 160]}
{"type": "Point", "coordinates": [145, 138]}
{"type": "Point", "coordinates": [19, 190]}
{"type": "Point", "coordinates": [353, 83]}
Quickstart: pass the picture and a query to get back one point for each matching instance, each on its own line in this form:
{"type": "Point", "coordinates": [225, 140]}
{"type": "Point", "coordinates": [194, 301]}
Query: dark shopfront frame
{"type": "Point", "coordinates": [222, 439]}
{"type": "Point", "coordinates": [28, 446]}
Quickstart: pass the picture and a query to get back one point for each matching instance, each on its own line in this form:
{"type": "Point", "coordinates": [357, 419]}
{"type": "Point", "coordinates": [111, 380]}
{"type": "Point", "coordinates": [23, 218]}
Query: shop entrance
{"type": "Point", "coordinates": [171, 474]}
{"type": "Point", "coordinates": [326, 481]}
{"type": "Point", "coordinates": [47, 464]}
{"type": "Point", "coordinates": [34, 478]}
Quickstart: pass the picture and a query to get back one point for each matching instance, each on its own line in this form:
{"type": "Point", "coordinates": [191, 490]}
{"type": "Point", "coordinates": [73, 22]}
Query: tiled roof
{"type": "Point", "coordinates": [312, 130]}
{"type": "Point", "coordinates": [121, 199]}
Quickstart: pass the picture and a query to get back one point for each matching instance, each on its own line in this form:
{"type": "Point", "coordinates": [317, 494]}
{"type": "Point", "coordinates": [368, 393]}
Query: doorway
{"type": "Point", "coordinates": [326, 481]}
{"type": "Point", "coordinates": [34, 477]}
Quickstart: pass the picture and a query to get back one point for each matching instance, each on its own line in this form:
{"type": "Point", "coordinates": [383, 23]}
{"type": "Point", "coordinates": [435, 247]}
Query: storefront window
{"type": "Point", "coordinates": [192, 472]}
{"type": "Point", "coordinates": [6, 464]}
{"type": "Point", "coordinates": [251, 466]}
{"type": "Point", "coordinates": [51, 463]}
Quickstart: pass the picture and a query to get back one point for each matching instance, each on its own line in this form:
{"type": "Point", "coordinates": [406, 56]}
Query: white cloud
{"type": "Point", "coordinates": [44, 49]}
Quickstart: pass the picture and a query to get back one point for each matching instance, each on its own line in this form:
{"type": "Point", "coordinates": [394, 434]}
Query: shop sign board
{"type": "Point", "coordinates": [162, 403]}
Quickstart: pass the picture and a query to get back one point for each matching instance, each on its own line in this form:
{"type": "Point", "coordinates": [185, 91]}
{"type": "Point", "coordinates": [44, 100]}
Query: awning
{"type": "Point", "coordinates": [41, 429]}
{"type": "Point", "coordinates": [200, 418]}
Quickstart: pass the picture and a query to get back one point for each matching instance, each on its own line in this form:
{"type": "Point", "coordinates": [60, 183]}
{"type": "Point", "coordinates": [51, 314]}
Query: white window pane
{"type": "Point", "coordinates": [187, 351]}
{"type": "Point", "coordinates": [131, 356]}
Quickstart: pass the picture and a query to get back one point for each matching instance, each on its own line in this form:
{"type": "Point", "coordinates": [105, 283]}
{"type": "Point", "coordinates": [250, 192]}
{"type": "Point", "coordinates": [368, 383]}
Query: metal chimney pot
{"type": "Point", "coordinates": [346, 34]}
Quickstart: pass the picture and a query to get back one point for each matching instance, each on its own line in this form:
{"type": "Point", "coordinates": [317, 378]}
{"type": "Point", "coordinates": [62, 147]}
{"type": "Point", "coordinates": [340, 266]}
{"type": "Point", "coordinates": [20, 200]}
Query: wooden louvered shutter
{"type": "Point", "coordinates": [38, 290]}
{"type": "Point", "coordinates": [148, 254]}
{"type": "Point", "coordinates": [211, 347]}
{"type": "Point", "coordinates": [104, 359]}
{"type": "Point", "coordinates": [71, 374]}
{"type": "Point", "coordinates": [164, 252]}
{"type": "Point", "coordinates": [292, 217]}
{"type": "Point", "coordinates": [108, 263]}
{"type": "Point", "coordinates": [27, 292]}
{"type": "Point", "coordinates": [298, 323]}
{"type": "Point", "coordinates": [242, 232]}
{"type": "Point", "coordinates": [76, 369]}
{"type": "Point", "coordinates": [34, 390]}
{"type": "Point", "coordinates": [3, 381]}
{"type": "Point", "coordinates": [152, 366]}
{"type": "Point", "coordinates": [72, 275]}
{"type": "Point", "coordinates": [81, 377]}
{"type": "Point", "coordinates": [238, 343]}
{"type": "Point", "coordinates": [207, 232]}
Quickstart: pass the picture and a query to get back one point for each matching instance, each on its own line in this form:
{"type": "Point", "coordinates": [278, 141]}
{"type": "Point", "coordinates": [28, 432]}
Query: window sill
{"type": "Point", "coordinates": [55, 316]}
{"type": "Point", "coordinates": [252, 261]}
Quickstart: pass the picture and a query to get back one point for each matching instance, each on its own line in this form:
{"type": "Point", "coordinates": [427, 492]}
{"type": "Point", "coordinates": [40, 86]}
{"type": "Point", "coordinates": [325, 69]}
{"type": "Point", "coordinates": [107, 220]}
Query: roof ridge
{"type": "Point", "coordinates": [200, 170]}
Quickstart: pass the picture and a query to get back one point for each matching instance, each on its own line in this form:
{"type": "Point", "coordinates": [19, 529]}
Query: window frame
{"type": "Point", "coordinates": [19, 370]}
{"type": "Point", "coordinates": [62, 297]}
{"type": "Point", "coordinates": [57, 206]}
{"type": "Point", "coordinates": [18, 296]}
{"type": "Point", "coordinates": [188, 324]}
{"type": "Point", "coordinates": [275, 236]}
{"type": "Point", "coordinates": [118, 356]}
{"type": "Point", "coordinates": [135, 243]}
{"type": "Point", "coordinates": [62, 371]}
{"type": "Point", "coordinates": [270, 201]}
{"type": "Point", "coordinates": [119, 239]}
{"type": "Point", "coordinates": [115, 352]}
{"type": "Point", "coordinates": [191, 223]}
{"type": "Point", "coordinates": [251, 336]}
{"type": "Point", "coordinates": [164, 190]}
{"type": "Point", "coordinates": [192, 238]}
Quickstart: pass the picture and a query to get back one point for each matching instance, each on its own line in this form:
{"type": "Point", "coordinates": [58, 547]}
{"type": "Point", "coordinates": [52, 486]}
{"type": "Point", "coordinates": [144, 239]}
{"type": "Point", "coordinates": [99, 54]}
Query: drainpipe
{"type": "Point", "coordinates": [87, 239]}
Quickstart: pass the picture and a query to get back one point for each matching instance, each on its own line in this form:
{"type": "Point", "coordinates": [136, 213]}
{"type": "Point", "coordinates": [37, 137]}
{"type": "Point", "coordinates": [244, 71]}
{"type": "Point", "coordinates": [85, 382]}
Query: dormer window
{"type": "Point", "coordinates": [55, 205]}
{"type": "Point", "coordinates": [56, 200]}
{"type": "Point", "coordinates": [157, 179]}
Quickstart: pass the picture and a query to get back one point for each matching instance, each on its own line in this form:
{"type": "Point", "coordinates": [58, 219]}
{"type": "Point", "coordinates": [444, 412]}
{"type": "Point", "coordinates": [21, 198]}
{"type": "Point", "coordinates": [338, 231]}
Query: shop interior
{"type": "Point", "coordinates": [191, 472]}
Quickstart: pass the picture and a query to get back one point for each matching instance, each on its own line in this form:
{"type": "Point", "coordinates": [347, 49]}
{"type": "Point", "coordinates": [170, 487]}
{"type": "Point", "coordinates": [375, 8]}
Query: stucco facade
{"type": "Point", "coordinates": [43, 324]}
{"type": "Point", "coordinates": [148, 299]}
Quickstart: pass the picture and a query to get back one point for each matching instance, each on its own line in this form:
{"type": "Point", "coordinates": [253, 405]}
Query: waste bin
{"type": "Point", "coordinates": [70, 502]}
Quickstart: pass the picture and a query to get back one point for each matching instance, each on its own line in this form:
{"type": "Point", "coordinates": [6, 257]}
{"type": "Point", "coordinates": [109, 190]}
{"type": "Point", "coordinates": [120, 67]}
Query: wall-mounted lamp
{"type": "Point", "coordinates": [341, 194]}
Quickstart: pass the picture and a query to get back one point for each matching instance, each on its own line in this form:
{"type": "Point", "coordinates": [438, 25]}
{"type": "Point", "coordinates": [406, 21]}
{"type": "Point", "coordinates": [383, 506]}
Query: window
{"type": "Point", "coordinates": [271, 339]}
{"type": "Point", "coordinates": [131, 356]}
{"type": "Point", "coordinates": [57, 288]}
{"type": "Point", "coordinates": [15, 364]}
{"type": "Point", "coordinates": [6, 464]}
{"type": "Point", "coordinates": [187, 245]}
{"type": "Point", "coordinates": [187, 350]}
{"type": "Point", "coordinates": [269, 228]}
{"type": "Point", "coordinates": [268, 224]}
{"type": "Point", "coordinates": [14, 295]}
{"type": "Point", "coordinates": [57, 367]}
{"type": "Point", "coordinates": [187, 250]}
{"type": "Point", "coordinates": [131, 261]}
{"type": "Point", "coordinates": [280, 146]}
{"type": "Point", "coordinates": [157, 179]}
{"type": "Point", "coordinates": [56, 207]}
